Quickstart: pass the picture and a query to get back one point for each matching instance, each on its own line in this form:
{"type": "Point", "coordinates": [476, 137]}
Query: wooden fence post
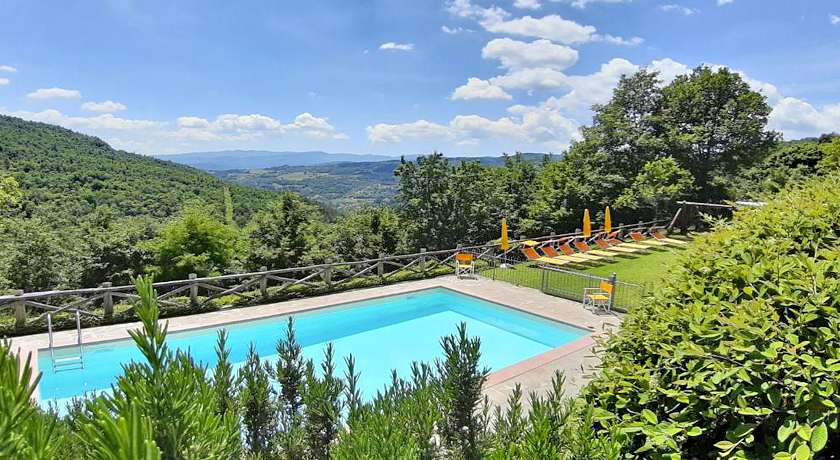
{"type": "Point", "coordinates": [422, 262]}
{"type": "Point", "coordinates": [193, 290]}
{"type": "Point", "coordinates": [328, 274]}
{"type": "Point", "coordinates": [19, 307]}
{"type": "Point", "coordinates": [108, 300]}
{"type": "Point", "coordinates": [380, 266]}
{"type": "Point", "coordinates": [264, 282]}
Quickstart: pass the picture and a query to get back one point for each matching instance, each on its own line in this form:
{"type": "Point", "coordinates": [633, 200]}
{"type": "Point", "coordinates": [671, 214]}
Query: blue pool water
{"type": "Point", "coordinates": [382, 334]}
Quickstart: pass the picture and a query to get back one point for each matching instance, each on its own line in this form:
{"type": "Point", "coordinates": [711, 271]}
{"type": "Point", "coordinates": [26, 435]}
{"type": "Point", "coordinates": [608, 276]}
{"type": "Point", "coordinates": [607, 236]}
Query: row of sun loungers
{"type": "Point", "coordinates": [608, 246]}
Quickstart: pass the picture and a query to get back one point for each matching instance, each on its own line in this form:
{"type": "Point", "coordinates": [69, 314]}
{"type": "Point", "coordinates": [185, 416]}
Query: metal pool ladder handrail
{"type": "Point", "coordinates": [71, 362]}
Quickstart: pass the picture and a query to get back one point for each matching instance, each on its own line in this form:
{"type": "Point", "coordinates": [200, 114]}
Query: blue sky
{"type": "Point", "coordinates": [466, 77]}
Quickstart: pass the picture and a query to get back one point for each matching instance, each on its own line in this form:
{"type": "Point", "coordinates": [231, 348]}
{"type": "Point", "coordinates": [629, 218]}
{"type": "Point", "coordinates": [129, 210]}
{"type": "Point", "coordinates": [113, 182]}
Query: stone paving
{"type": "Point", "coordinates": [574, 359]}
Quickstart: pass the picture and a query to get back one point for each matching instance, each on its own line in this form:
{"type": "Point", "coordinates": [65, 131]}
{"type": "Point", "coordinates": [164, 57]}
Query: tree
{"type": "Point", "coordinates": [115, 251]}
{"type": "Point", "coordinates": [715, 126]}
{"type": "Point", "coordinates": [661, 182]}
{"type": "Point", "coordinates": [9, 193]}
{"type": "Point", "coordinates": [194, 242]}
{"type": "Point", "coordinates": [280, 236]}
{"type": "Point", "coordinates": [364, 234]}
{"type": "Point", "coordinates": [36, 258]}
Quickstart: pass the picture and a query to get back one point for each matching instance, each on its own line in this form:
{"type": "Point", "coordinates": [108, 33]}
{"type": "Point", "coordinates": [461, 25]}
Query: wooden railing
{"type": "Point", "coordinates": [200, 292]}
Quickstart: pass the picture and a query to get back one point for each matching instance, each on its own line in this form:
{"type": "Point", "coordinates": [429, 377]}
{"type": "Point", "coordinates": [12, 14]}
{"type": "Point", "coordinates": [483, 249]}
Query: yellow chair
{"type": "Point", "coordinates": [465, 265]}
{"type": "Point", "coordinates": [598, 297]}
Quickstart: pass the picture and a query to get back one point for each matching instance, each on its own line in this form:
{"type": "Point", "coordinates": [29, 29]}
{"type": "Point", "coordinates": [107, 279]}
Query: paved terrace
{"type": "Point", "coordinates": [574, 359]}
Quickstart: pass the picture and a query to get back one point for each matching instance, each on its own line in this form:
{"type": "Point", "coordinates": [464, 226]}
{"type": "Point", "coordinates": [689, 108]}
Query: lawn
{"type": "Point", "coordinates": [646, 269]}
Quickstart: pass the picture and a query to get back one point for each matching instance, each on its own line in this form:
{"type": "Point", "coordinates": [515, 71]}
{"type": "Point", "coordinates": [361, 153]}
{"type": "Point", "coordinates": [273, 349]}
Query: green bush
{"type": "Point", "coordinates": [738, 355]}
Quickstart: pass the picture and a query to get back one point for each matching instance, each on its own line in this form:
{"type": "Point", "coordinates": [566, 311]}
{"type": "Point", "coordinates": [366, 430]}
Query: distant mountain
{"type": "Point", "coordinates": [344, 185]}
{"type": "Point", "coordinates": [241, 159]}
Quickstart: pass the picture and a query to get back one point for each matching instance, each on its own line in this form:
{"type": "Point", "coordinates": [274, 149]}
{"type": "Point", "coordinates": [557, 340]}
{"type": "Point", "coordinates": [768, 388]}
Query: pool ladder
{"type": "Point", "coordinates": [70, 362]}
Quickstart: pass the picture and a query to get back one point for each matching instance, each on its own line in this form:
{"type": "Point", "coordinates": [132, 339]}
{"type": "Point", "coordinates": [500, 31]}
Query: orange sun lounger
{"type": "Point", "coordinates": [531, 254]}
{"type": "Point", "coordinates": [585, 249]}
{"type": "Point", "coordinates": [571, 252]}
{"type": "Point", "coordinates": [641, 240]}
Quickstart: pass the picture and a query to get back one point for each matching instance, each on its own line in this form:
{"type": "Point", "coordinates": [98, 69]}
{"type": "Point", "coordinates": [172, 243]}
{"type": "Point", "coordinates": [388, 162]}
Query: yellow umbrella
{"type": "Point", "coordinates": [587, 226]}
{"type": "Point", "coordinates": [607, 221]}
{"type": "Point", "coordinates": [505, 245]}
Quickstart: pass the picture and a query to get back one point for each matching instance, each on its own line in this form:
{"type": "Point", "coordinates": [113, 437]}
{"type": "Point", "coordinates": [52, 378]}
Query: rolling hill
{"type": "Point", "coordinates": [343, 185]}
{"type": "Point", "coordinates": [243, 159]}
{"type": "Point", "coordinates": [67, 174]}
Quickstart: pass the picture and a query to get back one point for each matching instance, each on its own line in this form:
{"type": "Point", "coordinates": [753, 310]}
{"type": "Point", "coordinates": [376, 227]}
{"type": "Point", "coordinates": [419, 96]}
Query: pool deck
{"type": "Point", "coordinates": [575, 359]}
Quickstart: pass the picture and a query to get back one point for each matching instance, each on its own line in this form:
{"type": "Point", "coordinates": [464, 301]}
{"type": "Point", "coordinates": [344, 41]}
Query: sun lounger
{"type": "Point", "coordinates": [613, 240]}
{"type": "Point", "coordinates": [531, 254]}
{"type": "Point", "coordinates": [641, 240]}
{"type": "Point", "coordinates": [571, 252]}
{"type": "Point", "coordinates": [585, 249]}
{"type": "Point", "coordinates": [660, 237]}
{"type": "Point", "coordinates": [551, 252]}
{"type": "Point", "coordinates": [603, 244]}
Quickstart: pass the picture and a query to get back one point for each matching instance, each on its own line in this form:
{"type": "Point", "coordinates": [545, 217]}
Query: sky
{"type": "Point", "coordinates": [393, 77]}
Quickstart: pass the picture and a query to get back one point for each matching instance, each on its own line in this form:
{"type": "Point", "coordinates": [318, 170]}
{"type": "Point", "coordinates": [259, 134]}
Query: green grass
{"type": "Point", "coordinates": [648, 269]}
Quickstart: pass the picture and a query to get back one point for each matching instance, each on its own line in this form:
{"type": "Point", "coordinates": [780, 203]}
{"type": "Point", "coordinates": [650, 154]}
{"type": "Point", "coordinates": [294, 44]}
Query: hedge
{"type": "Point", "coordinates": [738, 354]}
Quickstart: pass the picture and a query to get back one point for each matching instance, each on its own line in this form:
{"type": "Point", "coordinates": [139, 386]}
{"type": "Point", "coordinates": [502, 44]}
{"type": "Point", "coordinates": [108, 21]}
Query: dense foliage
{"type": "Point", "coordinates": [739, 355]}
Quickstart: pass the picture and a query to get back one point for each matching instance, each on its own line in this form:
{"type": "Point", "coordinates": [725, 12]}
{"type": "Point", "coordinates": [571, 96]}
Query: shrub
{"type": "Point", "coordinates": [738, 355]}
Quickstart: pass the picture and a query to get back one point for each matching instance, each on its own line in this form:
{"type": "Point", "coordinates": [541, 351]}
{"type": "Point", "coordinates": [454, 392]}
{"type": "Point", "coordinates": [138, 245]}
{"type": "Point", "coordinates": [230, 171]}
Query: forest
{"type": "Point", "coordinates": [76, 213]}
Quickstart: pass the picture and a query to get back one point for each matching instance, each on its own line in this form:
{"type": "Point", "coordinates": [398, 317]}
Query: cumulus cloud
{"type": "Point", "coordinates": [104, 122]}
{"type": "Point", "coordinates": [834, 19]}
{"type": "Point", "coordinates": [420, 129]}
{"type": "Point", "coordinates": [54, 93]}
{"type": "Point", "coordinates": [235, 127]}
{"type": "Point", "coordinates": [7, 68]}
{"type": "Point", "coordinates": [527, 4]}
{"type": "Point", "coordinates": [516, 55]}
{"type": "Point", "coordinates": [669, 69]}
{"type": "Point", "coordinates": [678, 9]}
{"type": "Point", "coordinates": [533, 79]}
{"type": "Point", "coordinates": [477, 88]}
{"type": "Point", "coordinates": [391, 46]}
{"type": "Point", "coordinates": [4, 81]}
{"type": "Point", "coordinates": [104, 107]}
{"type": "Point", "coordinates": [596, 88]}
{"type": "Point", "coordinates": [796, 118]}
{"type": "Point", "coordinates": [552, 27]}
{"type": "Point", "coordinates": [466, 9]}
{"type": "Point", "coordinates": [723, 2]}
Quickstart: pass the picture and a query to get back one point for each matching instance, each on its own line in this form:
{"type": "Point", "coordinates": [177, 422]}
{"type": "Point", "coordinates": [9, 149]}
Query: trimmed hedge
{"type": "Point", "coordinates": [738, 355]}
{"type": "Point", "coordinates": [64, 321]}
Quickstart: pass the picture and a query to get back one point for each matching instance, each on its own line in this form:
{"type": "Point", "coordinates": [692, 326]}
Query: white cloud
{"type": "Point", "coordinates": [466, 9]}
{"type": "Point", "coordinates": [54, 93]}
{"type": "Point", "coordinates": [527, 4]}
{"type": "Point", "coordinates": [340, 137]}
{"type": "Point", "coordinates": [477, 88]}
{"type": "Point", "coordinates": [7, 68]}
{"type": "Point", "coordinates": [247, 127]}
{"type": "Point", "coordinates": [796, 118]}
{"type": "Point", "coordinates": [533, 79]}
{"type": "Point", "coordinates": [834, 19]}
{"type": "Point", "coordinates": [678, 9]}
{"type": "Point", "coordinates": [552, 27]}
{"type": "Point", "coordinates": [391, 46]}
{"type": "Point", "coordinates": [633, 41]}
{"type": "Point", "coordinates": [421, 129]}
{"type": "Point", "coordinates": [132, 146]}
{"type": "Point", "coordinates": [582, 3]}
{"type": "Point", "coordinates": [516, 55]}
{"type": "Point", "coordinates": [104, 122]}
{"type": "Point", "coordinates": [452, 30]}
{"type": "Point", "coordinates": [724, 2]}
{"type": "Point", "coordinates": [104, 107]}
{"type": "Point", "coordinates": [4, 81]}
{"type": "Point", "coordinates": [595, 88]}
{"type": "Point", "coordinates": [669, 69]}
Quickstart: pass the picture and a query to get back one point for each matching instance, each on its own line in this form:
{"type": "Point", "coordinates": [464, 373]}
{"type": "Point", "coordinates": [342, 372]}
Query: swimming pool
{"type": "Point", "coordinates": [382, 334]}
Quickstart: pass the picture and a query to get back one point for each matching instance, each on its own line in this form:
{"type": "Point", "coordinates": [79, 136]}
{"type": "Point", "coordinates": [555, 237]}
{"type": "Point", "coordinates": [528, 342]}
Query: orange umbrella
{"type": "Point", "coordinates": [505, 245]}
{"type": "Point", "coordinates": [607, 221]}
{"type": "Point", "coordinates": [587, 226]}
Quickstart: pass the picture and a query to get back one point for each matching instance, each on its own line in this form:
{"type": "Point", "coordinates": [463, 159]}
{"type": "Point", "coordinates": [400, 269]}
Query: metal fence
{"type": "Point", "coordinates": [559, 282]}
